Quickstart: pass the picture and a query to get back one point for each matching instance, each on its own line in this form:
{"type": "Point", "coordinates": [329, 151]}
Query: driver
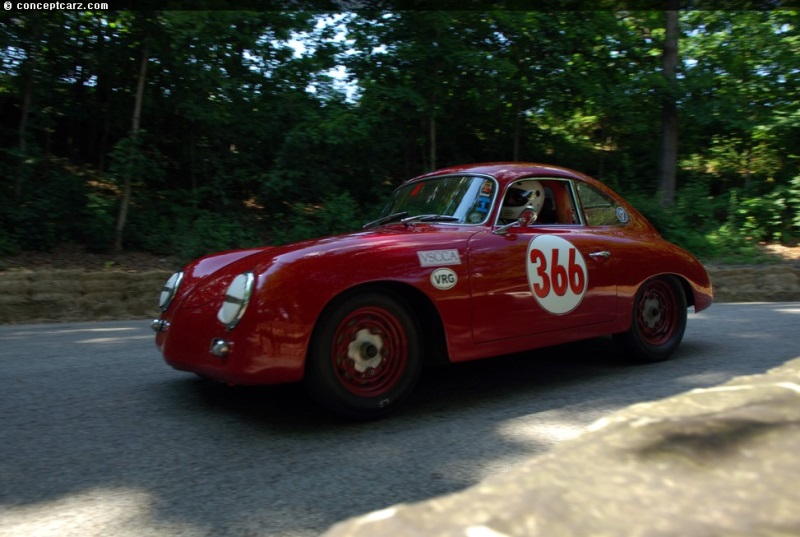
{"type": "Point", "coordinates": [519, 197]}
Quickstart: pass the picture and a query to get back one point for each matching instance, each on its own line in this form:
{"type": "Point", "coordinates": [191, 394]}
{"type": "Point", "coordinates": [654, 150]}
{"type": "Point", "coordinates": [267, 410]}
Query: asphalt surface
{"type": "Point", "coordinates": [99, 437]}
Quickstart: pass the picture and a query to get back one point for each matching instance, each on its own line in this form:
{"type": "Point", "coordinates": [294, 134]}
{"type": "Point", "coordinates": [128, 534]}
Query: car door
{"type": "Point", "coordinates": [540, 278]}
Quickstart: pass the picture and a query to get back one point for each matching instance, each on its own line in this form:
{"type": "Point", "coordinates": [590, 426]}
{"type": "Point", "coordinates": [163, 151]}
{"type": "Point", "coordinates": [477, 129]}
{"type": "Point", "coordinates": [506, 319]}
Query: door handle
{"type": "Point", "coordinates": [605, 254]}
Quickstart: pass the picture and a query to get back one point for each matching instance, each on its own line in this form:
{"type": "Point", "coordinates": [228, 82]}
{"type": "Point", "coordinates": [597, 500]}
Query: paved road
{"type": "Point", "coordinates": [99, 437]}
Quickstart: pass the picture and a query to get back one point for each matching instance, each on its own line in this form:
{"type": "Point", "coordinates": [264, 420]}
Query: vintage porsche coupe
{"type": "Point", "coordinates": [464, 263]}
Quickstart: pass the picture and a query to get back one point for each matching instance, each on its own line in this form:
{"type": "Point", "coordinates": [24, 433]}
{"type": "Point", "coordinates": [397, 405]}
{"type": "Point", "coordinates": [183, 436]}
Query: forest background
{"type": "Point", "coordinates": [186, 132]}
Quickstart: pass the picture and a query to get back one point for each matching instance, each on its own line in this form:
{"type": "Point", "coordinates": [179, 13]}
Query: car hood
{"type": "Point", "coordinates": [391, 242]}
{"type": "Point", "coordinates": [385, 252]}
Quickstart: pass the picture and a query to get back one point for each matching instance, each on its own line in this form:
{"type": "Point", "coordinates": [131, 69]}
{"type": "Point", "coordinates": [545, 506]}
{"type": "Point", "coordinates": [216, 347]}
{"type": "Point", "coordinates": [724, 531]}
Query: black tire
{"type": "Point", "coordinates": [365, 356]}
{"type": "Point", "coordinates": [658, 321]}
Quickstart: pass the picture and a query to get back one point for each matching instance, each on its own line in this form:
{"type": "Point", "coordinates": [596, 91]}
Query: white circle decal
{"type": "Point", "coordinates": [444, 278]}
{"type": "Point", "coordinates": [556, 273]}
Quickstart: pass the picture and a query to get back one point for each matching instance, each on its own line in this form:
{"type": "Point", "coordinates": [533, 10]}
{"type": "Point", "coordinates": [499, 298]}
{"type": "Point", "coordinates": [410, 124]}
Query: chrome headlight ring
{"type": "Point", "coordinates": [237, 297]}
{"type": "Point", "coordinates": [169, 290]}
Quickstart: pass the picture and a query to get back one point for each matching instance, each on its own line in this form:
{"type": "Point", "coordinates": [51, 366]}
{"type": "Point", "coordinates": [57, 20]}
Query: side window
{"type": "Point", "coordinates": [599, 209]}
{"type": "Point", "coordinates": [551, 199]}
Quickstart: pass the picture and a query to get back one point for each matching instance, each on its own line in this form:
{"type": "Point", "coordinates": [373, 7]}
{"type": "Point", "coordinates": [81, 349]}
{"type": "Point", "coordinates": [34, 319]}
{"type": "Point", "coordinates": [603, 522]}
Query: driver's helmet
{"type": "Point", "coordinates": [521, 196]}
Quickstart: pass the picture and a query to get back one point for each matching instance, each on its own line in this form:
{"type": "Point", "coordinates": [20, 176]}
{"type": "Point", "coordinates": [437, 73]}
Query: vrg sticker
{"type": "Point", "coordinates": [444, 278]}
{"type": "Point", "coordinates": [556, 273]}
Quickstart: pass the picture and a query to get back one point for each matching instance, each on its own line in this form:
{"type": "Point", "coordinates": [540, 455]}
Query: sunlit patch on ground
{"type": "Point", "coordinates": [120, 512]}
{"type": "Point", "coordinates": [113, 339]}
{"type": "Point", "coordinates": [27, 332]}
{"type": "Point", "coordinates": [541, 431]}
{"type": "Point", "coordinates": [705, 378]}
{"type": "Point", "coordinates": [786, 252]}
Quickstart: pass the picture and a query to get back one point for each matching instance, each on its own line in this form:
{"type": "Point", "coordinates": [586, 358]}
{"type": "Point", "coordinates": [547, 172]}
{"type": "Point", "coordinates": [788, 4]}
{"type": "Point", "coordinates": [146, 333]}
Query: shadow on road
{"type": "Point", "coordinates": [96, 429]}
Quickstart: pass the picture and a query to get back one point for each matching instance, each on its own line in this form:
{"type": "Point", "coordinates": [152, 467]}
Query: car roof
{"type": "Point", "coordinates": [506, 172]}
{"type": "Point", "coordinates": [509, 172]}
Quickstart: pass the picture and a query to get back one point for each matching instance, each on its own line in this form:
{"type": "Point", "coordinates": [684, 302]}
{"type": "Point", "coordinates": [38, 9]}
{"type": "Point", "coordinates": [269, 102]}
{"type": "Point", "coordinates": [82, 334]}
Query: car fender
{"type": "Point", "coordinates": [644, 260]}
{"type": "Point", "coordinates": [293, 287]}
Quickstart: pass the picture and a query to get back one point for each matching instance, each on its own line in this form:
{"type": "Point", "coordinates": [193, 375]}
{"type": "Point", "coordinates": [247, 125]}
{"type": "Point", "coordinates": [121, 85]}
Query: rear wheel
{"type": "Point", "coordinates": [365, 356]}
{"type": "Point", "coordinates": [658, 323]}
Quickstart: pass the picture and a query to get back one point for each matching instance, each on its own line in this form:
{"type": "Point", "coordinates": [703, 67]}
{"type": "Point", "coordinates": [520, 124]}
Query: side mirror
{"type": "Point", "coordinates": [526, 218]}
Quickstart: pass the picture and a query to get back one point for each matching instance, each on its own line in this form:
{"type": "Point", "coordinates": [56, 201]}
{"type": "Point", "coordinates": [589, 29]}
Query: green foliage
{"type": "Point", "coordinates": [97, 232]}
{"type": "Point", "coordinates": [9, 244]}
{"type": "Point", "coordinates": [188, 233]}
{"type": "Point", "coordinates": [52, 206]}
{"type": "Point", "coordinates": [769, 217]}
{"type": "Point", "coordinates": [205, 232]}
{"type": "Point", "coordinates": [137, 157]}
{"type": "Point", "coordinates": [238, 120]}
{"type": "Point", "coordinates": [726, 228]}
{"type": "Point", "coordinates": [338, 213]}
{"type": "Point", "coordinates": [680, 224]}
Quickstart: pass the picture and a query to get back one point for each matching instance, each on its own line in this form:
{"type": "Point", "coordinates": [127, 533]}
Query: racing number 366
{"type": "Point", "coordinates": [556, 273]}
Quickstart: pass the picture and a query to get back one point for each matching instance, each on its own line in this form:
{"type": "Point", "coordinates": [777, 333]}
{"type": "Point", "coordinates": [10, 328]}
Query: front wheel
{"type": "Point", "coordinates": [365, 356]}
{"type": "Point", "coordinates": [658, 323]}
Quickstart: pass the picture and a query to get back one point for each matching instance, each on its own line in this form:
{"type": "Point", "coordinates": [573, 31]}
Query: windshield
{"type": "Point", "coordinates": [466, 198]}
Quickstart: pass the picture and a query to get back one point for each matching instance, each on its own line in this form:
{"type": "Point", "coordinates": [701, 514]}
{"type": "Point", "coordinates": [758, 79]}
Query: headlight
{"type": "Point", "coordinates": [236, 299]}
{"type": "Point", "coordinates": [170, 290]}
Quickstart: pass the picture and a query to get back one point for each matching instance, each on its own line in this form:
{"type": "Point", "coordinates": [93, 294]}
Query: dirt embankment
{"type": "Point", "coordinates": [93, 295]}
{"type": "Point", "coordinates": [71, 284]}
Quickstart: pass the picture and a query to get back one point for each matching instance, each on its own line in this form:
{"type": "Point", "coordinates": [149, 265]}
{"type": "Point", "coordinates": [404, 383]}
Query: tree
{"type": "Point", "coordinates": [743, 89]}
{"type": "Point", "coordinates": [668, 157]}
{"type": "Point", "coordinates": [136, 121]}
{"type": "Point", "coordinates": [119, 127]}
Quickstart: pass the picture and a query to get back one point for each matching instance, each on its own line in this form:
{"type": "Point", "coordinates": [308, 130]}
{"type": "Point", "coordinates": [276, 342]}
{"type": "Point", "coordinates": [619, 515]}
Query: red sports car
{"type": "Point", "coordinates": [464, 263]}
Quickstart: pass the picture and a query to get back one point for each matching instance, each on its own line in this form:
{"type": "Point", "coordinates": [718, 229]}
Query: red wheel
{"type": "Point", "coordinates": [365, 356]}
{"type": "Point", "coordinates": [658, 323]}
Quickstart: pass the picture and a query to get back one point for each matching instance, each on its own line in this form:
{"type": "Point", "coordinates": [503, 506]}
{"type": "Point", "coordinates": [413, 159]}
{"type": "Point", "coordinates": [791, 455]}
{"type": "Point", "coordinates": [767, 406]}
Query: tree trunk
{"type": "Point", "coordinates": [135, 126]}
{"type": "Point", "coordinates": [432, 134]}
{"type": "Point", "coordinates": [193, 166]}
{"type": "Point", "coordinates": [517, 128]}
{"type": "Point", "coordinates": [27, 99]}
{"type": "Point", "coordinates": [668, 158]}
{"type": "Point", "coordinates": [102, 93]}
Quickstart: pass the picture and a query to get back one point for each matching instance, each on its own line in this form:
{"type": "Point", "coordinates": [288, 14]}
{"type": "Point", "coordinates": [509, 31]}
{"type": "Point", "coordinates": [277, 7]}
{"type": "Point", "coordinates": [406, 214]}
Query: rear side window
{"type": "Point", "coordinates": [600, 209]}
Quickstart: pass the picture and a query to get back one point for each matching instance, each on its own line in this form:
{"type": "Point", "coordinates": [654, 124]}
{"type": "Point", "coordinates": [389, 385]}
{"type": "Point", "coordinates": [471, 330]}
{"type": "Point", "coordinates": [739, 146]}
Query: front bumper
{"type": "Point", "coordinates": [192, 339]}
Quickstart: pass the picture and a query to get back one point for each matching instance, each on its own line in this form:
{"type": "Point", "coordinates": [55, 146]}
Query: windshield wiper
{"type": "Point", "coordinates": [405, 219]}
{"type": "Point", "coordinates": [385, 220]}
{"type": "Point", "coordinates": [431, 218]}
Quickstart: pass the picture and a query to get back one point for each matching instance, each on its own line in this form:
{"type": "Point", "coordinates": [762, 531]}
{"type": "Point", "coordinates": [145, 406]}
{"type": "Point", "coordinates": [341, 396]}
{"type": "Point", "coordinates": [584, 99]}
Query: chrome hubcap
{"type": "Point", "coordinates": [651, 313]}
{"type": "Point", "coordinates": [365, 350]}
